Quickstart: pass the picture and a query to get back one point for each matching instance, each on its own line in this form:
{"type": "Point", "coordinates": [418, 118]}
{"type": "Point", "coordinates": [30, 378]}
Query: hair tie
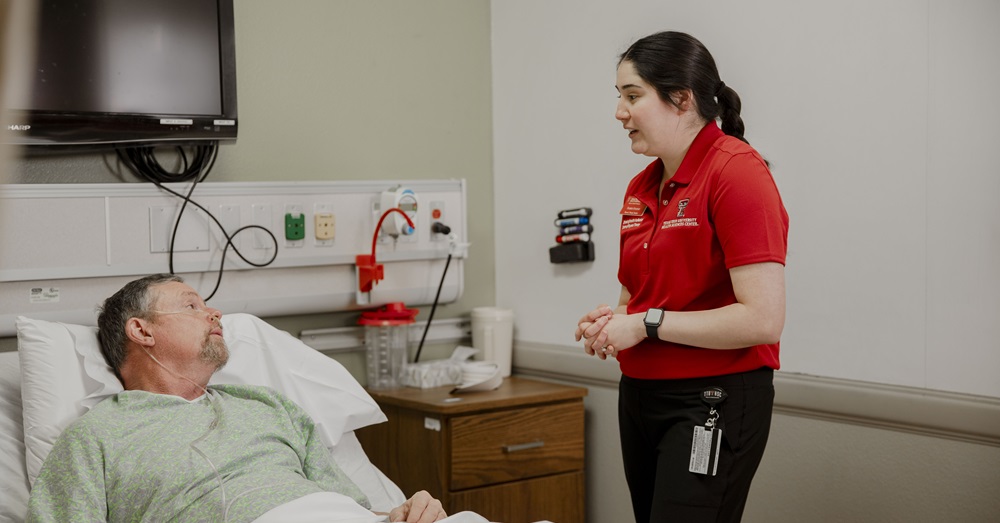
{"type": "Point", "coordinates": [720, 88]}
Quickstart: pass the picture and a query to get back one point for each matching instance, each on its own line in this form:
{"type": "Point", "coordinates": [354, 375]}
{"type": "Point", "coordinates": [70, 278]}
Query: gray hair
{"type": "Point", "coordinates": [133, 301]}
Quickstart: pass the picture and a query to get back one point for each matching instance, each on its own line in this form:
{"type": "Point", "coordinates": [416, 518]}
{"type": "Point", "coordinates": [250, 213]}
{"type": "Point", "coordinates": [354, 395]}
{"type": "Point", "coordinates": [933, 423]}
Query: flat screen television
{"type": "Point", "coordinates": [140, 72]}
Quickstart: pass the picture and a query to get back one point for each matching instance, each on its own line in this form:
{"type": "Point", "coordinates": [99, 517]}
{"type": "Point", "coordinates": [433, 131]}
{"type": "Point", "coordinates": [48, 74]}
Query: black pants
{"type": "Point", "coordinates": [657, 420]}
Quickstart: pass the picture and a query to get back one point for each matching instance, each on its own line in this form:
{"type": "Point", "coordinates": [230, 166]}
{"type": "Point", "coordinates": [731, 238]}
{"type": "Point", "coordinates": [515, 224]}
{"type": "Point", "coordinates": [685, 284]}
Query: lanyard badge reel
{"type": "Point", "coordinates": [707, 440]}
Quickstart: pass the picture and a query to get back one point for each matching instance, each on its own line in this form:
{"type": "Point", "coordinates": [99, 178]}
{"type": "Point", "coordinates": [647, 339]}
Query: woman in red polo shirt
{"type": "Point", "coordinates": [696, 330]}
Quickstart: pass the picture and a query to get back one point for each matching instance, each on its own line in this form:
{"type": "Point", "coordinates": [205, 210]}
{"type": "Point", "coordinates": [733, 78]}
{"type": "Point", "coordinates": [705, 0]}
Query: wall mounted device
{"type": "Point", "coordinates": [405, 200]}
{"type": "Point", "coordinates": [125, 72]}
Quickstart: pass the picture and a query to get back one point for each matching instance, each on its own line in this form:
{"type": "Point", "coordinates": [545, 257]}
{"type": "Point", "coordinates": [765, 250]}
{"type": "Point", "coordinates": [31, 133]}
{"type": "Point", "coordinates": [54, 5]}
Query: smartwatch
{"type": "Point", "coordinates": [653, 319]}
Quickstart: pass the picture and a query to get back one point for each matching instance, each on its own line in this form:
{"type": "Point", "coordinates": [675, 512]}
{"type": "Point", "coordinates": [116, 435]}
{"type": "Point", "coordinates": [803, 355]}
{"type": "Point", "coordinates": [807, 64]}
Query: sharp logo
{"type": "Point", "coordinates": [18, 127]}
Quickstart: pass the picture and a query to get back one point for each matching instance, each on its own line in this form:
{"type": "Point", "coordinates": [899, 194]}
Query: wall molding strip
{"type": "Point", "coordinates": [352, 339]}
{"type": "Point", "coordinates": [935, 413]}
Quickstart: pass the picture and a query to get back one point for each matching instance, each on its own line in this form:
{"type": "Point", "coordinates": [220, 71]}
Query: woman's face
{"type": "Point", "coordinates": [653, 125]}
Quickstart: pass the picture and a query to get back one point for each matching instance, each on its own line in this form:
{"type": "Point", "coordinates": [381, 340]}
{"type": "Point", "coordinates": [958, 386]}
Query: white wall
{"type": "Point", "coordinates": [878, 117]}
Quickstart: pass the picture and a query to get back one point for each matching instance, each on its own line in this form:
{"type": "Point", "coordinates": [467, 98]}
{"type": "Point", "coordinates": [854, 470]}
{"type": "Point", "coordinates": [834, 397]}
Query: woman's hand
{"type": "Point", "coordinates": [605, 333]}
{"type": "Point", "coordinates": [621, 332]}
{"type": "Point", "coordinates": [590, 329]}
{"type": "Point", "coordinates": [421, 508]}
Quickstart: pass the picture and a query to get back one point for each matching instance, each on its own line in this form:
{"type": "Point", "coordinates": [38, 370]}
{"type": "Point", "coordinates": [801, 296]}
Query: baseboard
{"type": "Point", "coordinates": [923, 411]}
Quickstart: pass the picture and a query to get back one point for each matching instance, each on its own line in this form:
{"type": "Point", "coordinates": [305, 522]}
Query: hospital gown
{"type": "Point", "coordinates": [131, 459]}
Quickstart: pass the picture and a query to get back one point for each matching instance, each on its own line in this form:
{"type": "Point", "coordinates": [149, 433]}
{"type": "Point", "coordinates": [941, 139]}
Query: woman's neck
{"type": "Point", "coordinates": [685, 137]}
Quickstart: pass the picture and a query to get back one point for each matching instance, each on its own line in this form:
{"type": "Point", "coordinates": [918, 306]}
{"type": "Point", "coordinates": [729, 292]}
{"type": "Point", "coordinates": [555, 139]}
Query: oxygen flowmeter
{"type": "Point", "coordinates": [403, 199]}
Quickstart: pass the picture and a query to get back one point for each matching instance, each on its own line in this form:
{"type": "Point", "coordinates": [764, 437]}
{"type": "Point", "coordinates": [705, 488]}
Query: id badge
{"type": "Point", "coordinates": [705, 447]}
{"type": "Point", "coordinates": [707, 440]}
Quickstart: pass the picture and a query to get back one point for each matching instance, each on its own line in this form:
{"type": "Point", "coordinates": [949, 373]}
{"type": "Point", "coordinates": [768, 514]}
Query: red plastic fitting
{"type": "Point", "coordinates": [370, 272]}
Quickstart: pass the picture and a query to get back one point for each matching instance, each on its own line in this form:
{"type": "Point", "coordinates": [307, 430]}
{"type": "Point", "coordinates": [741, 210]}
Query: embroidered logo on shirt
{"type": "Point", "coordinates": [680, 222]}
{"type": "Point", "coordinates": [680, 207]}
{"type": "Point", "coordinates": [631, 223]}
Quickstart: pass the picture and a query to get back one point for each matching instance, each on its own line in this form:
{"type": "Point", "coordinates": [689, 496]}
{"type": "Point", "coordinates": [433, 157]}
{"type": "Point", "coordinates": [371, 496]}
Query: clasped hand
{"type": "Point", "coordinates": [605, 333]}
{"type": "Point", "coordinates": [421, 508]}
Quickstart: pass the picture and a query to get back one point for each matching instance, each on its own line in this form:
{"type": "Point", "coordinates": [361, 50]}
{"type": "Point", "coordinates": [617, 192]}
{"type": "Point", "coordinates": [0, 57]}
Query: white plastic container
{"type": "Point", "coordinates": [493, 336]}
{"type": "Point", "coordinates": [386, 343]}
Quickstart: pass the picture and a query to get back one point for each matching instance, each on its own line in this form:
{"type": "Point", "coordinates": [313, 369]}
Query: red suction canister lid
{"type": "Point", "coordinates": [394, 313]}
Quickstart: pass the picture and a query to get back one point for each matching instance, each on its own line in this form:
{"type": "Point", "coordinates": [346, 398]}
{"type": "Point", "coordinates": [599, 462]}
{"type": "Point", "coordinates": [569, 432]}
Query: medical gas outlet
{"type": "Point", "coordinates": [295, 226]}
{"type": "Point", "coordinates": [405, 200]}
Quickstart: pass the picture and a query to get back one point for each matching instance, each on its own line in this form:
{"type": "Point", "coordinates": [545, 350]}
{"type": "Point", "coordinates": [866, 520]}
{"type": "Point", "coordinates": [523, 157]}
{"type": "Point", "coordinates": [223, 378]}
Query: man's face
{"type": "Point", "coordinates": [187, 331]}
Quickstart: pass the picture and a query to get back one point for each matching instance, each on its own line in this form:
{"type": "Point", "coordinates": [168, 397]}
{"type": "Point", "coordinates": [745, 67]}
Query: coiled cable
{"type": "Point", "coordinates": [143, 163]}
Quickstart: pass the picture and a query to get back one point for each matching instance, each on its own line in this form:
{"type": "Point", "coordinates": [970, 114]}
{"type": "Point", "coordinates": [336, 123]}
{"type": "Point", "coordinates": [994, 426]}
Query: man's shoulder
{"type": "Point", "coordinates": [250, 392]}
{"type": "Point", "coordinates": [93, 422]}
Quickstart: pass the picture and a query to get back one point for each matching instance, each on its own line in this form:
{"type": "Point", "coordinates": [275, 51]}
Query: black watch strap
{"type": "Point", "coordinates": [651, 331]}
{"type": "Point", "coordinates": [653, 320]}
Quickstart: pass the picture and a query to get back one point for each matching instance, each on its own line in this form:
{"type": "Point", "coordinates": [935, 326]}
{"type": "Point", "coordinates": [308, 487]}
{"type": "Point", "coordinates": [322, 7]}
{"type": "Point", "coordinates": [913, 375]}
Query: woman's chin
{"type": "Point", "coordinates": [641, 149]}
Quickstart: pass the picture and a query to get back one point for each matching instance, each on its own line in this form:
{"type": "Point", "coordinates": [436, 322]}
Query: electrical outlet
{"type": "Point", "coordinates": [325, 225]}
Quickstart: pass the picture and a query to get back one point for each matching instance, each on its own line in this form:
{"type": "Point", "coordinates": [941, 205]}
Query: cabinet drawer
{"type": "Point", "coordinates": [557, 498]}
{"type": "Point", "coordinates": [515, 444]}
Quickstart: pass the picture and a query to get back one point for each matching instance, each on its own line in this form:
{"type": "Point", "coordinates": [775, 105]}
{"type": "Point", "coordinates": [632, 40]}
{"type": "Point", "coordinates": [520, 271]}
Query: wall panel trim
{"type": "Point", "coordinates": [962, 417]}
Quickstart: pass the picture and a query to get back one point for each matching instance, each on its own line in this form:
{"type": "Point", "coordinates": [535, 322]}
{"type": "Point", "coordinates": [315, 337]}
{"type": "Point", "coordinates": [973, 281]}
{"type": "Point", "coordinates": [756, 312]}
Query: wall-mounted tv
{"type": "Point", "coordinates": [128, 72]}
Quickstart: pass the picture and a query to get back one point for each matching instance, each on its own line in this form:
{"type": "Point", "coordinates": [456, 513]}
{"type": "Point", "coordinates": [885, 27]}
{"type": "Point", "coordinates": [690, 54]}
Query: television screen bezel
{"type": "Point", "coordinates": [80, 128]}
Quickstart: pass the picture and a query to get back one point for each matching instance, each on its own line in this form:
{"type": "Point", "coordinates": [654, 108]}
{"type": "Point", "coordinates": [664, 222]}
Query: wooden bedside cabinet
{"type": "Point", "coordinates": [514, 455]}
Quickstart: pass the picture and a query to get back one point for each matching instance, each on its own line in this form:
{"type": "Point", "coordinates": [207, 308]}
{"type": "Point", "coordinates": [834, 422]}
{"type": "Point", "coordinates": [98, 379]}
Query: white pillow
{"type": "Point", "coordinates": [64, 374]}
{"type": "Point", "coordinates": [13, 478]}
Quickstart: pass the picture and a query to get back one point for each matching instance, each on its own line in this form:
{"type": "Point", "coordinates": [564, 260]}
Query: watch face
{"type": "Point", "coordinates": [654, 316]}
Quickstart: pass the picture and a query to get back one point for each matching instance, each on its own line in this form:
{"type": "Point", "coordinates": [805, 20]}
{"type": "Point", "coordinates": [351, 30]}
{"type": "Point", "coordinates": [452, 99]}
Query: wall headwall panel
{"type": "Point", "coordinates": [68, 246]}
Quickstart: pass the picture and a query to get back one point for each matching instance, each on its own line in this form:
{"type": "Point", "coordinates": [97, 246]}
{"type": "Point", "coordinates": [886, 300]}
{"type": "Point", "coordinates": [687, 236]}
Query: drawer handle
{"type": "Point", "coordinates": [523, 446]}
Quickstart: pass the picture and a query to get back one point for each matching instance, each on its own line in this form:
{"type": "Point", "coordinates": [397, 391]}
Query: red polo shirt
{"type": "Point", "coordinates": [720, 210]}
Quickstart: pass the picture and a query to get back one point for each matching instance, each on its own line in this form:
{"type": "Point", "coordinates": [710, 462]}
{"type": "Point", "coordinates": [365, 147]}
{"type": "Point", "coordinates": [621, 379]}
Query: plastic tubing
{"type": "Point", "coordinates": [379, 227]}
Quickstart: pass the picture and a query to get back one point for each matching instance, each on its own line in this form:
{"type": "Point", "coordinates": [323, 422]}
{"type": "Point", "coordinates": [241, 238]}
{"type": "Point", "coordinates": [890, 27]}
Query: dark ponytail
{"type": "Point", "coordinates": [729, 112]}
{"type": "Point", "coordinates": [671, 62]}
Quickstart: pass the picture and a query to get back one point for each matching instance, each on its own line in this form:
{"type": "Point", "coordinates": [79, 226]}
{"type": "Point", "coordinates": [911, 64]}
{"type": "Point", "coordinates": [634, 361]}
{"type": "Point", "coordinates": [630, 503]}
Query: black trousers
{"type": "Point", "coordinates": [657, 420]}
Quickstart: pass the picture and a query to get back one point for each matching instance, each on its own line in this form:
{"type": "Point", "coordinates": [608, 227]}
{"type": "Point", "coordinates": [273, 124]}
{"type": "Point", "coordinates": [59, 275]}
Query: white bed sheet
{"type": "Point", "coordinates": [330, 507]}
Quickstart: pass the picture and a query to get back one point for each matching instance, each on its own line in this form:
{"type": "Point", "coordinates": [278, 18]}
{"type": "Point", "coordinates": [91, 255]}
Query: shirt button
{"type": "Point", "coordinates": [672, 185]}
{"type": "Point", "coordinates": [645, 246]}
{"type": "Point", "coordinates": [666, 202]}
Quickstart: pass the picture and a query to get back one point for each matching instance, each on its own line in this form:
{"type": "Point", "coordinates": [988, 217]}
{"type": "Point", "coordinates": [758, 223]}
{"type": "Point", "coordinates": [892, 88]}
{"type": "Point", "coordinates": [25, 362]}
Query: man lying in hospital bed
{"type": "Point", "coordinates": [172, 447]}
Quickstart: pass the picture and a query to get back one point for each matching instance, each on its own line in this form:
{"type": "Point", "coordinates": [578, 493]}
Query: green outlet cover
{"type": "Point", "coordinates": [295, 227]}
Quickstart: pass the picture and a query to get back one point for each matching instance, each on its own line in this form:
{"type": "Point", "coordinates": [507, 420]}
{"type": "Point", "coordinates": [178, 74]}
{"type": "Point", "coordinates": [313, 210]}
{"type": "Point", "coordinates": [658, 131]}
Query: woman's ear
{"type": "Point", "coordinates": [683, 100]}
{"type": "Point", "coordinates": [137, 330]}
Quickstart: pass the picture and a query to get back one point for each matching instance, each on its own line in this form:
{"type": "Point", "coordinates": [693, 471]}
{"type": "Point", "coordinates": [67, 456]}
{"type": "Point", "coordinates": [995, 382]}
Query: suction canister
{"type": "Point", "coordinates": [386, 342]}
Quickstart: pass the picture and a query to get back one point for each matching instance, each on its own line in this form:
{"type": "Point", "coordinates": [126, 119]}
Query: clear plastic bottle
{"type": "Point", "coordinates": [386, 344]}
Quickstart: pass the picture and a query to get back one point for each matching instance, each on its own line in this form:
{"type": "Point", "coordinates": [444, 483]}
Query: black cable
{"type": "Point", "coordinates": [177, 223]}
{"type": "Point", "coordinates": [142, 162]}
{"type": "Point", "coordinates": [444, 229]}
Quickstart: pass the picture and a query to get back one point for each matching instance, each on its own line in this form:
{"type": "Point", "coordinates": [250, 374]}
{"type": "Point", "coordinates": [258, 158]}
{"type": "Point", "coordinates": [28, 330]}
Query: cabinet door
{"type": "Point", "coordinates": [409, 452]}
{"type": "Point", "coordinates": [558, 498]}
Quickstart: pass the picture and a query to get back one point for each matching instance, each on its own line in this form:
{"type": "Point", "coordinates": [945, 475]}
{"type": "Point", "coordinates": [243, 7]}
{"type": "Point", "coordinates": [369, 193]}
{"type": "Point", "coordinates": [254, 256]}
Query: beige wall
{"type": "Point", "coordinates": [352, 90]}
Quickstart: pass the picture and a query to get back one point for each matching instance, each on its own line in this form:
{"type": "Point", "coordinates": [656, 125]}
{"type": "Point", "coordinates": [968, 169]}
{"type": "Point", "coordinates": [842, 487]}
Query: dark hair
{"type": "Point", "coordinates": [672, 62]}
{"type": "Point", "coordinates": [132, 301]}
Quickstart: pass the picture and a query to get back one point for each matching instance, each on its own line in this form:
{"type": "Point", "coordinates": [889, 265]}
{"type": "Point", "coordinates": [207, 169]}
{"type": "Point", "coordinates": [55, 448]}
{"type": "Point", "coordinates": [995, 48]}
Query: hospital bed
{"type": "Point", "coordinates": [58, 374]}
